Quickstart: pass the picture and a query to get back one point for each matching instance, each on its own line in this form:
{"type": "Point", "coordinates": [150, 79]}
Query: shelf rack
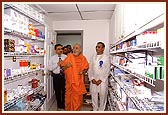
{"type": "Point", "coordinates": [22, 76]}
{"type": "Point", "coordinates": [23, 13]}
{"type": "Point", "coordinates": [9, 54]}
{"type": "Point", "coordinates": [139, 104]}
{"type": "Point", "coordinates": [8, 31]}
{"type": "Point", "coordinates": [146, 79]}
{"type": "Point", "coordinates": [17, 99]}
{"type": "Point", "coordinates": [146, 47]}
{"type": "Point", "coordinates": [156, 21]}
{"type": "Point", "coordinates": [114, 93]}
{"type": "Point", "coordinates": [39, 40]}
{"type": "Point", "coordinates": [151, 49]}
{"type": "Point", "coordinates": [35, 108]}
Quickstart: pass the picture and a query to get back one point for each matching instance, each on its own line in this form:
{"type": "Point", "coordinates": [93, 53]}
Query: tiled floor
{"type": "Point", "coordinates": [85, 107]}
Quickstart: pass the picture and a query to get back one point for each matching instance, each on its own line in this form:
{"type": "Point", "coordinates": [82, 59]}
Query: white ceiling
{"type": "Point", "coordinates": [59, 12]}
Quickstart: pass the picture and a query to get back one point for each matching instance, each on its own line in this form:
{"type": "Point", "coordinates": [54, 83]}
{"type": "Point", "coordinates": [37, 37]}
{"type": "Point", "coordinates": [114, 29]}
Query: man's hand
{"type": "Point", "coordinates": [81, 72]}
{"type": "Point", "coordinates": [98, 82]}
{"type": "Point", "coordinates": [67, 66]}
{"type": "Point", "coordinates": [94, 81]}
{"type": "Point", "coordinates": [59, 63]}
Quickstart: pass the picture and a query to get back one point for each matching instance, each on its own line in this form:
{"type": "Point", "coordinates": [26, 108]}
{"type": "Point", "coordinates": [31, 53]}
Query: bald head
{"type": "Point", "coordinates": [76, 49]}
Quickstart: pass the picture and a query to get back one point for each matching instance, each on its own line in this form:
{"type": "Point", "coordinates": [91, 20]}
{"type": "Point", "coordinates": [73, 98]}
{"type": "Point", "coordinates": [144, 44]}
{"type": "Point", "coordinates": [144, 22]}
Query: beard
{"type": "Point", "coordinates": [76, 53]}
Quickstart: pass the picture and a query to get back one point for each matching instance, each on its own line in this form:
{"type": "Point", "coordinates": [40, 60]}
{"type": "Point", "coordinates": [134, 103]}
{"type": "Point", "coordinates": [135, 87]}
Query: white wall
{"type": "Point", "coordinates": [111, 30]}
{"type": "Point", "coordinates": [93, 31]}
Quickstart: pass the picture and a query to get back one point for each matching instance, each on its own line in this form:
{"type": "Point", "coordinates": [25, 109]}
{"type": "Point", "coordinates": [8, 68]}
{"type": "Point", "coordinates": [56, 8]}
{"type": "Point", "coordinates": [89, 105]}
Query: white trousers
{"type": "Point", "coordinates": [99, 105]}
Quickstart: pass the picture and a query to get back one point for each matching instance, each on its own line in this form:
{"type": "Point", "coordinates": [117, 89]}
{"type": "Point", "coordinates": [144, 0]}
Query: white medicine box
{"type": "Point", "coordinates": [7, 21]}
{"type": "Point", "coordinates": [25, 8]}
{"type": "Point", "coordinates": [30, 11]}
{"type": "Point", "coordinates": [13, 18]}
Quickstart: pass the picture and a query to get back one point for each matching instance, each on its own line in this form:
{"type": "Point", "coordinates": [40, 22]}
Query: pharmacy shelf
{"type": "Point", "coordinates": [37, 57]}
{"type": "Point", "coordinates": [9, 54]}
{"type": "Point", "coordinates": [140, 104]}
{"type": "Point", "coordinates": [17, 99]}
{"type": "Point", "coordinates": [154, 47]}
{"type": "Point", "coordinates": [23, 13]}
{"type": "Point", "coordinates": [145, 104]}
{"type": "Point", "coordinates": [122, 86]}
{"type": "Point", "coordinates": [8, 31]}
{"type": "Point", "coordinates": [110, 107]}
{"type": "Point", "coordinates": [111, 103]}
{"type": "Point", "coordinates": [151, 24]}
{"type": "Point", "coordinates": [114, 93]}
{"type": "Point", "coordinates": [114, 97]}
{"type": "Point", "coordinates": [22, 76]}
{"type": "Point", "coordinates": [12, 103]}
{"type": "Point", "coordinates": [146, 79]}
{"type": "Point", "coordinates": [35, 108]}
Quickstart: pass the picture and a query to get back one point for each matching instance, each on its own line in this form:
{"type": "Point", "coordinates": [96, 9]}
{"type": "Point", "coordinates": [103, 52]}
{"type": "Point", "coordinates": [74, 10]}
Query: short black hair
{"type": "Point", "coordinates": [64, 47]}
{"type": "Point", "coordinates": [101, 44]}
{"type": "Point", "coordinates": [68, 46]}
{"type": "Point", "coordinates": [57, 46]}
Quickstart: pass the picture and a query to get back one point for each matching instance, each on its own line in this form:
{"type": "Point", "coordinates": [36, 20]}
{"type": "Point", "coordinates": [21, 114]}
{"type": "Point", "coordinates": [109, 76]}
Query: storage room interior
{"type": "Point", "coordinates": [134, 35]}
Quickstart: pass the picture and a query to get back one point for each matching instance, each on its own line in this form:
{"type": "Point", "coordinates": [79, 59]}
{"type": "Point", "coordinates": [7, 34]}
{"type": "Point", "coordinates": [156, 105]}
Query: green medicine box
{"type": "Point", "coordinates": [160, 61]}
{"type": "Point", "coordinates": [154, 72]}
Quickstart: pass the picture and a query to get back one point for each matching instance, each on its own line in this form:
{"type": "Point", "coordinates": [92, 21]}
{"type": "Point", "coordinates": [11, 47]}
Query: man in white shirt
{"type": "Point", "coordinates": [99, 69]}
{"type": "Point", "coordinates": [58, 76]}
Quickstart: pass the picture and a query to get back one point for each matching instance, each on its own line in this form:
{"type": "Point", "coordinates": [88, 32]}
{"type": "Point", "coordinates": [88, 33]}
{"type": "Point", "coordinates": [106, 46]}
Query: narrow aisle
{"type": "Point", "coordinates": [53, 106]}
{"type": "Point", "coordinates": [85, 107]}
{"type": "Point", "coordinates": [86, 99]}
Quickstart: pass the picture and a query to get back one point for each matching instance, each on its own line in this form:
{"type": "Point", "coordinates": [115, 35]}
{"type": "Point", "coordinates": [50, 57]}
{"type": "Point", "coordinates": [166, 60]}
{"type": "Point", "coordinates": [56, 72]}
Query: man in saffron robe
{"type": "Point", "coordinates": [74, 65]}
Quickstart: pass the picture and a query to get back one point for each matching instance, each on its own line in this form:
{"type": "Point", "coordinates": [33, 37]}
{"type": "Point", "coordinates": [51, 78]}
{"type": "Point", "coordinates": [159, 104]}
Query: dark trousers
{"type": "Point", "coordinates": [59, 87]}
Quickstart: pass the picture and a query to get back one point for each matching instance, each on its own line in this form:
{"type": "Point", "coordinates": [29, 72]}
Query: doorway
{"type": "Point", "coordinates": [69, 37]}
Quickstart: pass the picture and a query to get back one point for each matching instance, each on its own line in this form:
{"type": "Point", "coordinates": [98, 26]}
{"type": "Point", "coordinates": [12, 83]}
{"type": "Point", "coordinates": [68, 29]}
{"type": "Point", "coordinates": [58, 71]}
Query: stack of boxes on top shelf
{"type": "Point", "coordinates": [151, 39]}
{"type": "Point", "coordinates": [148, 39]}
{"type": "Point", "coordinates": [19, 22]}
{"type": "Point", "coordinates": [134, 61]}
{"type": "Point", "coordinates": [16, 21]}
